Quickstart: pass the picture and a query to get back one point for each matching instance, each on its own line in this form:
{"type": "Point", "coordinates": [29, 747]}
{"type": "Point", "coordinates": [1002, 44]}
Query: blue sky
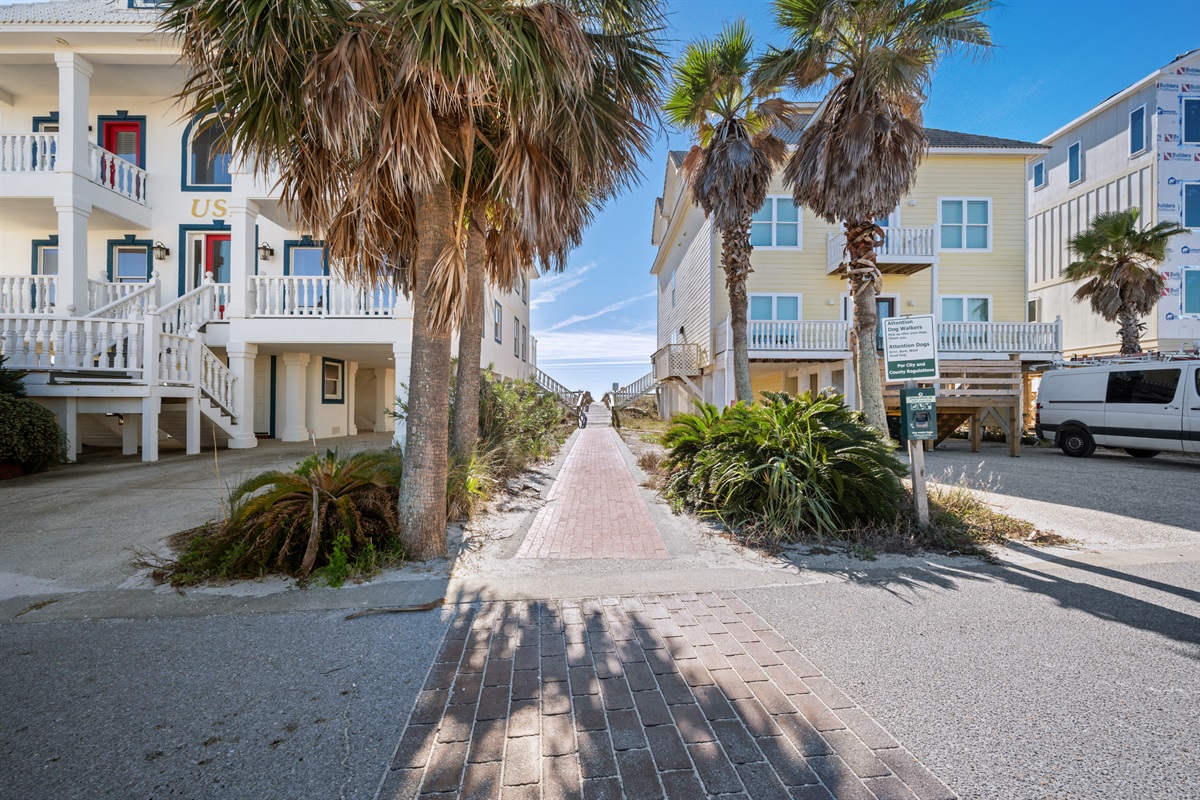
{"type": "Point", "coordinates": [1055, 59]}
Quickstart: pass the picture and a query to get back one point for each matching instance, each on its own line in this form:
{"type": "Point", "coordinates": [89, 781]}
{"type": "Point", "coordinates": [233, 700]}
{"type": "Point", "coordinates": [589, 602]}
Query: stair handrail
{"type": "Point", "coordinates": [643, 385]}
{"type": "Point", "coordinates": [170, 312]}
{"type": "Point", "coordinates": [132, 306]}
{"type": "Point", "coordinates": [216, 380]}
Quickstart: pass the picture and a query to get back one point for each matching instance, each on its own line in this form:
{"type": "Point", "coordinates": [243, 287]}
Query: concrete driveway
{"type": "Point", "coordinates": [1109, 501]}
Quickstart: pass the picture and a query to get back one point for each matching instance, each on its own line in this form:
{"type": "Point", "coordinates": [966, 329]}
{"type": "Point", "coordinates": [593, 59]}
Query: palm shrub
{"type": "Point", "coordinates": [786, 466]}
{"type": "Point", "coordinates": [289, 521]}
{"type": "Point", "coordinates": [11, 380]}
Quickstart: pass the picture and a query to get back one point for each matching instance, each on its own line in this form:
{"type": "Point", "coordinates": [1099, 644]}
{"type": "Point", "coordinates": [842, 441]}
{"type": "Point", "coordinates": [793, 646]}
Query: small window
{"type": "Point", "coordinates": [524, 343]}
{"type": "Point", "coordinates": [1034, 311]}
{"type": "Point", "coordinates": [516, 337]}
{"type": "Point", "coordinates": [672, 290]}
{"type": "Point", "coordinates": [1191, 120]}
{"type": "Point", "coordinates": [1075, 163]}
{"type": "Point", "coordinates": [333, 384]}
{"type": "Point", "coordinates": [1148, 386]}
{"type": "Point", "coordinates": [1137, 130]}
{"type": "Point", "coordinates": [525, 290]}
{"type": "Point", "coordinates": [129, 260]}
{"type": "Point", "coordinates": [1039, 174]}
{"type": "Point", "coordinates": [966, 309]}
{"type": "Point", "coordinates": [966, 224]}
{"type": "Point", "coordinates": [1191, 206]}
{"type": "Point", "coordinates": [774, 307]}
{"type": "Point", "coordinates": [776, 224]}
{"type": "Point", "coordinates": [497, 324]}
{"type": "Point", "coordinates": [1191, 291]}
{"type": "Point", "coordinates": [207, 154]}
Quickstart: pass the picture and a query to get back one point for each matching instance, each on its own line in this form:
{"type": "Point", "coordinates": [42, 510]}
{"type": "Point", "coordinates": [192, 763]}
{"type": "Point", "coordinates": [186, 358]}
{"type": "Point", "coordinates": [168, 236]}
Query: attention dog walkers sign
{"type": "Point", "coordinates": [910, 348]}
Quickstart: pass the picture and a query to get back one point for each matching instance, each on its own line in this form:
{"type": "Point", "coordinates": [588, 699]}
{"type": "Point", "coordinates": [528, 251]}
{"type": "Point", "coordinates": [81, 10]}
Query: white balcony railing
{"type": "Point", "coordinates": [28, 152]}
{"type": "Point", "coordinates": [115, 173]}
{"type": "Point", "coordinates": [186, 313]}
{"type": "Point", "coordinates": [899, 245]}
{"type": "Point", "coordinates": [1000, 337]}
{"type": "Point", "coordinates": [812, 335]}
{"type": "Point", "coordinates": [27, 294]}
{"type": "Point", "coordinates": [102, 293]}
{"type": "Point", "coordinates": [72, 343]}
{"type": "Point", "coordinates": [322, 296]}
{"type": "Point", "coordinates": [217, 380]}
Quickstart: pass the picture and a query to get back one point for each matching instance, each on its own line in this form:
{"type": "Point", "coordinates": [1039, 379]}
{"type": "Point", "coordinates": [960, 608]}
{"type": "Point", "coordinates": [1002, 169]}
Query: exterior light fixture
{"type": "Point", "coordinates": [160, 251]}
{"type": "Point", "coordinates": [265, 251]}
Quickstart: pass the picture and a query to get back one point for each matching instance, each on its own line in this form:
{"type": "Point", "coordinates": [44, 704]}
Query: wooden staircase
{"type": "Point", "coordinates": [969, 390]}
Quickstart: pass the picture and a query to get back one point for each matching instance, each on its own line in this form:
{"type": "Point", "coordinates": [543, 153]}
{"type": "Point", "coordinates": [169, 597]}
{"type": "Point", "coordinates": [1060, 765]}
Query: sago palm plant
{"type": "Point", "coordinates": [1120, 265]}
{"type": "Point", "coordinates": [717, 98]}
{"type": "Point", "coordinates": [786, 466]}
{"type": "Point", "coordinates": [287, 521]}
{"type": "Point", "coordinates": [859, 153]}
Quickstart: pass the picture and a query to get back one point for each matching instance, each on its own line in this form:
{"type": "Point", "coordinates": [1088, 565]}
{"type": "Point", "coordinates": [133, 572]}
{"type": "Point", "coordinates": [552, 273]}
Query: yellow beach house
{"type": "Point", "coordinates": [955, 247]}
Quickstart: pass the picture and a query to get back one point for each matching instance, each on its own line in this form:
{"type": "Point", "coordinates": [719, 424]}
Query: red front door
{"type": "Point", "coordinates": [216, 259]}
{"type": "Point", "coordinates": [125, 140]}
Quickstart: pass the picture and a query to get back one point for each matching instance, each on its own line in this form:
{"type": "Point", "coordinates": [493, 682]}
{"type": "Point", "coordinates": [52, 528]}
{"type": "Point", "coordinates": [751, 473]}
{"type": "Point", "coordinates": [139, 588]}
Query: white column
{"type": "Point", "coordinates": [74, 82]}
{"type": "Point", "coordinates": [150, 408]}
{"type": "Point", "coordinates": [385, 384]}
{"type": "Point", "coordinates": [68, 420]}
{"type": "Point", "coordinates": [129, 434]}
{"type": "Point", "coordinates": [403, 358]}
{"type": "Point", "coordinates": [72, 293]}
{"type": "Point", "coordinates": [241, 363]}
{"type": "Point", "coordinates": [295, 374]}
{"type": "Point", "coordinates": [192, 409]}
{"type": "Point", "coordinates": [351, 393]}
{"type": "Point", "coordinates": [243, 214]}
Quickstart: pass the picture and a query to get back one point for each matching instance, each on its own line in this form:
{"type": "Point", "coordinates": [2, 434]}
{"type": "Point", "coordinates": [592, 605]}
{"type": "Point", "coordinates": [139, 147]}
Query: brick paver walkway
{"type": "Point", "coordinates": [594, 508]}
{"type": "Point", "coordinates": [677, 696]}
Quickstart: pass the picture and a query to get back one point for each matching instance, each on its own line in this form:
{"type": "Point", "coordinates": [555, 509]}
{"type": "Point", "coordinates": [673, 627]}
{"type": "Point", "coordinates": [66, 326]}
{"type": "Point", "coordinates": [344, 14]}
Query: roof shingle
{"type": "Point", "coordinates": [76, 12]}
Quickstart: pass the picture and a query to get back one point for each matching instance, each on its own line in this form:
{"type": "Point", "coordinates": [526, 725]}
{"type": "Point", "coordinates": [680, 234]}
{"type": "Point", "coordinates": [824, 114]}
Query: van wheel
{"type": "Point", "coordinates": [1142, 453]}
{"type": "Point", "coordinates": [1077, 443]}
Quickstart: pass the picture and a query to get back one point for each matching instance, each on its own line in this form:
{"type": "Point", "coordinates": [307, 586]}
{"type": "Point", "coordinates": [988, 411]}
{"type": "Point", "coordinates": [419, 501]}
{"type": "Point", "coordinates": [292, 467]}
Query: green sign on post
{"type": "Point", "coordinates": [910, 348]}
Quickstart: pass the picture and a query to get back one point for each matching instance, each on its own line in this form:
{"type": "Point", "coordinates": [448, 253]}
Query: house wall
{"type": "Point", "coordinates": [999, 273]}
{"type": "Point", "coordinates": [1115, 180]}
{"type": "Point", "coordinates": [689, 260]}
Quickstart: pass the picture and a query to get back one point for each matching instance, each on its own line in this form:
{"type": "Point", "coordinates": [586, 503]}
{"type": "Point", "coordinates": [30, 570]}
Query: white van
{"type": "Point", "coordinates": [1143, 407]}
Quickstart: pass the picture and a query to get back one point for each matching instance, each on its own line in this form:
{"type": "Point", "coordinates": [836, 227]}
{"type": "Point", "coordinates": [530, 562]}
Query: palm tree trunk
{"type": "Point", "coordinates": [861, 251]}
{"type": "Point", "coordinates": [735, 259]}
{"type": "Point", "coordinates": [470, 344]}
{"type": "Point", "coordinates": [423, 482]}
{"type": "Point", "coordinates": [1130, 332]}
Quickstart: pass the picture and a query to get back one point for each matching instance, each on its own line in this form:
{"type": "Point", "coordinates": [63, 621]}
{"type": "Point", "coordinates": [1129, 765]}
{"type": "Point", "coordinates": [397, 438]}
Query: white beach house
{"type": "Point", "coordinates": [157, 292]}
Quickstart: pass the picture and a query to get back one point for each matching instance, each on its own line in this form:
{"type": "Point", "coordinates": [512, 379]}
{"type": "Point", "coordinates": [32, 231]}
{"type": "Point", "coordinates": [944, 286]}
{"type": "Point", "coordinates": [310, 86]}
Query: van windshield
{"type": "Point", "coordinates": [1155, 386]}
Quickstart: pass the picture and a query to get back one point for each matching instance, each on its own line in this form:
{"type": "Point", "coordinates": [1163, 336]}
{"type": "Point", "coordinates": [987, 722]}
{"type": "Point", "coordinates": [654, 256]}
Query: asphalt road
{"type": "Point", "coordinates": [1018, 683]}
{"type": "Point", "coordinates": [292, 705]}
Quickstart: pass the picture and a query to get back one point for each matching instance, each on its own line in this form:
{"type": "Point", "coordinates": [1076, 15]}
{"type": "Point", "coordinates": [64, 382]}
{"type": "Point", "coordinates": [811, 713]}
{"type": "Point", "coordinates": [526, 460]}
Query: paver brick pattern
{"type": "Point", "coordinates": [639, 697]}
{"type": "Point", "coordinates": [594, 508]}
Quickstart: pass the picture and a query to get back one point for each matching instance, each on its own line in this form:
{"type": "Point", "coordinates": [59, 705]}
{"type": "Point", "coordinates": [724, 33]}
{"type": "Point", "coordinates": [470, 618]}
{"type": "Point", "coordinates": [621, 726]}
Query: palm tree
{"type": "Point", "coordinates": [717, 98]}
{"type": "Point", "coordinates": [1121, 266]}
{"type": "Point", "coordinates": [859, 153]}
{"type": "Point", "coordinates": [373, 112]}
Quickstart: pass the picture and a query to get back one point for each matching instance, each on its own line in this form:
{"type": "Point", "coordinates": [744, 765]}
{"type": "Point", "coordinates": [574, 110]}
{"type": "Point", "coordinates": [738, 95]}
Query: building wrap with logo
{"type": "Point", "coordinates": [1178, 189]}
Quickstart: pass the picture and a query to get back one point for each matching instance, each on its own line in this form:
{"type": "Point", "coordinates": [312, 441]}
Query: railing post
{"type": "Point", "coordinates": [150, 345]}
{"type": "Point", "coordinates": [1058, 334]}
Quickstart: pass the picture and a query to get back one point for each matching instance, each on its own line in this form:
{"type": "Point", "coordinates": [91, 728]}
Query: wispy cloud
{"type": "Point", "coordinates": [608, 309]}
{"type": "Point", "coordinates": [551, 287]}
{"type": "Point", "coordinates": [596, 348]}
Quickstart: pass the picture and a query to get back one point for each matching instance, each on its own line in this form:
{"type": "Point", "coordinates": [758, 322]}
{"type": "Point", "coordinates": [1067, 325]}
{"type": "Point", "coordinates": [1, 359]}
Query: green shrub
{"type": "Point", "coordinates": [786, 466]}
{"type": "Point", "coordinates": [270, 521]}
{"type": "Point", "coordinates": [11, 380]}
{"type": "Point", "coordinates": [519, 424]}
{"type": "Point", "coordinates": [29, 435]}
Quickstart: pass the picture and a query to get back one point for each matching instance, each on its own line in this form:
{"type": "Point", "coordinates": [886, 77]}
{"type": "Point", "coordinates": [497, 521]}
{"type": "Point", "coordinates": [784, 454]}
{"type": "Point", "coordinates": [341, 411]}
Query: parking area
{"type": "Point", "coordinates": [1108, 501]}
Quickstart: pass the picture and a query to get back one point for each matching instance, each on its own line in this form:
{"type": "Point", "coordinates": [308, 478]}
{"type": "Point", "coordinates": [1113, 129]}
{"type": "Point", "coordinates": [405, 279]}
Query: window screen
{"type": "Point", "coordinates": [210, 155]}
{"type": "Point", "coordinates": [1149, 386]}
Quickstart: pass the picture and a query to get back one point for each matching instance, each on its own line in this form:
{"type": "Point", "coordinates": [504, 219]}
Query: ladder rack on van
{"type": "Point", "coordinates": [1102, 361]}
